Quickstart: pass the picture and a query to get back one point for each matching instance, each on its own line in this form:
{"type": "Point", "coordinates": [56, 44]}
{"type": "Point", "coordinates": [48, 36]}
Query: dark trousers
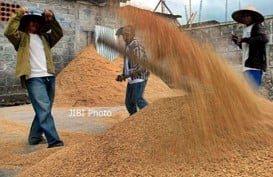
{"type": "Point", "coordinates": [134, 97]}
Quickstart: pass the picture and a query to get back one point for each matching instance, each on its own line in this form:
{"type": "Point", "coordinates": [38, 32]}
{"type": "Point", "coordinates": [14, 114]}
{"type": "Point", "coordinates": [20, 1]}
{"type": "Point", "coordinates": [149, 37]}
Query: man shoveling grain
{"type": "Point", "coordinates": [136, 75]}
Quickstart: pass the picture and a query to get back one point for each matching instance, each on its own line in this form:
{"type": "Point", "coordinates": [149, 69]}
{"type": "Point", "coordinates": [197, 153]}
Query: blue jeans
{"type": "Point", "coordinates": [134, 97]}
{"type": "Point", "coordinates": [41, 92]}
{"type": "Point", "coordinates": [254, 77]}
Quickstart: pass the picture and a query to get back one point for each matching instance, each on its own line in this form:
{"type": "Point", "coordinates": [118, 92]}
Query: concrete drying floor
{"type": "Point", "coordinates": [75, 119]}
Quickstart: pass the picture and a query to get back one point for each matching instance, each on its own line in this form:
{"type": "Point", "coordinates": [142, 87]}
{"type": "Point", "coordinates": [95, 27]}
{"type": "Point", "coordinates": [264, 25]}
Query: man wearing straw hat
{"type": "Point", "coordinates": [136, 75]}
{"type": "Point", "coordinates": [253, 44]}
{"type": "Point", "coordinates": [29, 33]}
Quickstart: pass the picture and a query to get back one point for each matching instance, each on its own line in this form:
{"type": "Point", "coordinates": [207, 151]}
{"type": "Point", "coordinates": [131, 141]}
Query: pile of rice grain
{"type": "Point", "coordinates": [220, 129]}
{"type": "Point", "coordinates": [89, 80]}
{"type": "Point", "coordinates": [161, 140]}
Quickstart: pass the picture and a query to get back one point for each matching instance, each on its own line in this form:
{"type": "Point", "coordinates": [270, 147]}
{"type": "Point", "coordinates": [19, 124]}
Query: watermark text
{"type": "Point", "coordinates": [90, 112]}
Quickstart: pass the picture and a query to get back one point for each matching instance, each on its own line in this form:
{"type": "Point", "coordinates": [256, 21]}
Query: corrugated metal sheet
{"type": "Point", "coordinates": [103, 50]}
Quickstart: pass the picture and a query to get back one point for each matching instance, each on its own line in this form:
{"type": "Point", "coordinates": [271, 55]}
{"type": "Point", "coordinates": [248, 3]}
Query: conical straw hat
{"type": "Point", "coordinates": [239, 14]}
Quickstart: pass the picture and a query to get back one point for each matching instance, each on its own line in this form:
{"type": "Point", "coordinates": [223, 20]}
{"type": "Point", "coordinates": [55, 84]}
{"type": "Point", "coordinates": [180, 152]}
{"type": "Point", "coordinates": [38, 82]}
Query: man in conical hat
{"type": "Point", "coordinates": [253, 43]}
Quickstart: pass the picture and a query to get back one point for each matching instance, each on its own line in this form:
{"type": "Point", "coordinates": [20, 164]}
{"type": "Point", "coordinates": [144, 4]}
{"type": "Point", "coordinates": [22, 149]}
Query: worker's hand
{"type": "Point", "coordinates": [120, 78]}
{"type": "Point", "coordinates": [234, 38]}
{"type": "Point", "coordinates": [237, 40]}
{"type": "Point", "coordinates": [23, 82]}
{"type": "Point", "coordinates": [48, 15]}
{"type": "Point", "coordinates": [25, 10]}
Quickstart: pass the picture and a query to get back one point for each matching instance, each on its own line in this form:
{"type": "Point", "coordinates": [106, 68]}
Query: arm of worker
{"type": "Point", "coordinates": [56, 30]}
{"type": "Point", "coordinates": [11, 30]}
{"type": "Point", "coordinates": [259, 38]}
{"type": "Point", "coordinates": [123, 76]}
{"type": "Point", "coordinates": [136, 71]}
{"type": "Point", "coordinates": [140, 60]}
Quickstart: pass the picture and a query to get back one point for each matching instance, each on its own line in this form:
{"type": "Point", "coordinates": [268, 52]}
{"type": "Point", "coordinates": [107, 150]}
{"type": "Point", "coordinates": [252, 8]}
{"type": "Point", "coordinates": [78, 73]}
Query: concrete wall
{"type": "Point", "coordinates": [218, 37]}
{"type": "Point", "coordinates": [78, 19]}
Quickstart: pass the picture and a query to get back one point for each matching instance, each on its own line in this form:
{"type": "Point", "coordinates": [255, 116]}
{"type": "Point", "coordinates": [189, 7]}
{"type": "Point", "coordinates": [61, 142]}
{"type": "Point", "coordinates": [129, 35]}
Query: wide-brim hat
{"type": "Point", "coordinates": [239, 14]}
{"type": "Point", "coordinates": [36, 17]}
